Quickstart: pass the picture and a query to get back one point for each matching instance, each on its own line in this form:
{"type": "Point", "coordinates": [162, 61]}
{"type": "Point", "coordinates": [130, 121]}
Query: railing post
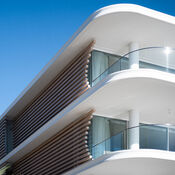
{"type": "Point", "coordinates": [133, 56]}
{"type": "Point", "coordinates": [133, 132]}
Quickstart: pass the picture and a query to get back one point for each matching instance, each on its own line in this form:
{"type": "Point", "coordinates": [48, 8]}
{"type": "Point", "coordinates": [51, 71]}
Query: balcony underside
{"type": "Point", "coordinates": [152, 162]}
{"type": "Point", "coordinates": [149, 91]}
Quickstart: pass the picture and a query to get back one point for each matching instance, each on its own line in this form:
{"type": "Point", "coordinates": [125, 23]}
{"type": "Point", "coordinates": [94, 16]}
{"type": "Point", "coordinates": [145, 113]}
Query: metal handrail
{"type": "Point", "coordinates": [129, 128]}
{"type": "Point", "coordinates": [125, 56]}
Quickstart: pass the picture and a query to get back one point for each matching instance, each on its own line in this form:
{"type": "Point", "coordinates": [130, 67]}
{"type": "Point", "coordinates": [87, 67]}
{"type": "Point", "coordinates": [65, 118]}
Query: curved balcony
{"type": "Point", "coordinates": [151, 137]}
{"type": "Point", "coordinates": [158, 58]}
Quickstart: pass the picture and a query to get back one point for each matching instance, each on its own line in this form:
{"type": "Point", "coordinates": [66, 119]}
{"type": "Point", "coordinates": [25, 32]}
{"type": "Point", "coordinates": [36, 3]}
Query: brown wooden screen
{"type": "Point", "coordinates": [64, 151]}
{"type": "Point", "coordinates": [2, 138]}
{"type": "Point", "coordinates": [65, 88]}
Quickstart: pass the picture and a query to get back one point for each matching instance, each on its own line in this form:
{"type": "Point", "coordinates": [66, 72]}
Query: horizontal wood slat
{"type": "Point", "coordinates": [64, 89]}
{"type": "Point", "coordinates": [64, 151]}
{"type": "Point", "coordinates": [64, 135]}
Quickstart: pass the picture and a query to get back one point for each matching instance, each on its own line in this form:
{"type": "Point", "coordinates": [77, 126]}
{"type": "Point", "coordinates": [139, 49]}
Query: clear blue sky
{"type": "Point", "coordinates": [32, 31]}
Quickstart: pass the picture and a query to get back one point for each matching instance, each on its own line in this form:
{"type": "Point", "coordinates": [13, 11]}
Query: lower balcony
{"type": "Point", "coordinates": [114, 137]}
{"type": "Point", "coordinates": [144, 149]}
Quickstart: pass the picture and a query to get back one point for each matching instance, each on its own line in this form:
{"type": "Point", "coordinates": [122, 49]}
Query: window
{"type": "Point", "coordinates": [100, 63]}
{"type": "Point", "coordinates": [106, 134]}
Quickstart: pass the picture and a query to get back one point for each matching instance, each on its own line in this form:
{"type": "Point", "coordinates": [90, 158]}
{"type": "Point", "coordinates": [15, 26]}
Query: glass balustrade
{"type": "Point", "coordinates": [103, 64]}
{"type": "Point", "coordinates": [151, 137]}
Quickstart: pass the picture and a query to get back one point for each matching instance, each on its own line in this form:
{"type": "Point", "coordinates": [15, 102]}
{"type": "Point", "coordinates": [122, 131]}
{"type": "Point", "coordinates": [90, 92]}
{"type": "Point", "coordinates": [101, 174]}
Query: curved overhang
{"type": "Point", "coordinates": [152, 162]}
{"type": "Point", "coordinates": [151, 91]}
{"type": "Point", "coordinates": [113, 28]}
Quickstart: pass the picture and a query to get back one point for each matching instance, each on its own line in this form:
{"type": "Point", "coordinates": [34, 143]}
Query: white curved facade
{"type": "Point", "coordinates": [141, 94]}
{"type": "Point", "coordinates": [129, 162]}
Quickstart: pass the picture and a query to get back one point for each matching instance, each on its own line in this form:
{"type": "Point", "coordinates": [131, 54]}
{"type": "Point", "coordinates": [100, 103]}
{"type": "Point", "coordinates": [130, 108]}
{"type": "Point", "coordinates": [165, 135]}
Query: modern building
{"type": "Point", "coordinates": [105, 104]}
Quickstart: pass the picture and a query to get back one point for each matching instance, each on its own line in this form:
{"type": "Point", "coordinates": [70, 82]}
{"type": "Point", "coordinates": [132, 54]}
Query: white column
{"type": "Point", "coordinates": [133, 56]}
{"type": "Point", "coordinates": [133, 133]}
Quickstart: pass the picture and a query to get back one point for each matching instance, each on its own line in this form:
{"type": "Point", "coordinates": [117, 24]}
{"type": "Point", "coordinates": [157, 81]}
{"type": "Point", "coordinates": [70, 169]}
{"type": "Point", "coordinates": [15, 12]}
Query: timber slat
{"type": "Point", "coordinates": [64, 151]}
{"type": "Point", "coordinates": [68, 85]}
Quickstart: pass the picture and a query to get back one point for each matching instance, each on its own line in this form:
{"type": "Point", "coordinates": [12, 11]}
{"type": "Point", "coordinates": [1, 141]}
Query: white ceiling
{"type": "Point", "coordinates": [149, 91]}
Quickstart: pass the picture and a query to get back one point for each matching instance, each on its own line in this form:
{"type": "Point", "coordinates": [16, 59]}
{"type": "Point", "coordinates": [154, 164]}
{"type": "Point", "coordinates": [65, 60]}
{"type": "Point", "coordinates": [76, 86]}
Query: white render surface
{"type": "Point", "coordinates": [133, 56]}
{"type": "Point", "coordinates": [129, 162]}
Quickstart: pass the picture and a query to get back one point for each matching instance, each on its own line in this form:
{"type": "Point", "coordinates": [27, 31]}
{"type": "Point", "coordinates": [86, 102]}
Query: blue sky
{"type": "Point", "coordinates": [32, 31]}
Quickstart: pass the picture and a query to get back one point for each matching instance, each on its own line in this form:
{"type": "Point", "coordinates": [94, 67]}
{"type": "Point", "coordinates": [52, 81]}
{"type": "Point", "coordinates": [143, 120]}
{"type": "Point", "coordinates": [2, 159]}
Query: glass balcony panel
{"type": "Point", "coordinates": [106, 135]}
{"type": "Point", "coordinates": [124, 63]}
{"type": "Point", "coordinates": [171, 139]}
{"type": "Point", "coordinates": [98, 150]}
{"type": "Point", "coordinates": [153, 137]}
{"type": "Point", "coordinates": [99, 66]}
{"type": "Point", "coordinates": [114, 143]}
{"type": "Point", "coordinates": [115, 67]}
{"type": "Point", "coordinates": [158, 58]}
{"type": "Point", "coordinates": [117, 142]}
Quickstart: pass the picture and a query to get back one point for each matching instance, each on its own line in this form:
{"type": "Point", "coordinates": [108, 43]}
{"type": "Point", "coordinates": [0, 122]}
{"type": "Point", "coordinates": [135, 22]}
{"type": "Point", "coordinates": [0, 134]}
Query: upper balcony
{"type": "Point", "coordinates": [158, 58]}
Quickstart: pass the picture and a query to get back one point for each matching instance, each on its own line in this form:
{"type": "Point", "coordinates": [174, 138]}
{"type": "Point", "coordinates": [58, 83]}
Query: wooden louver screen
{"type": "Point", "coordinates": [62, 152]}
{"type": "Point", "coordinates": [3, 150]}
{"type": "Point", "coordinates": [65, 88]}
